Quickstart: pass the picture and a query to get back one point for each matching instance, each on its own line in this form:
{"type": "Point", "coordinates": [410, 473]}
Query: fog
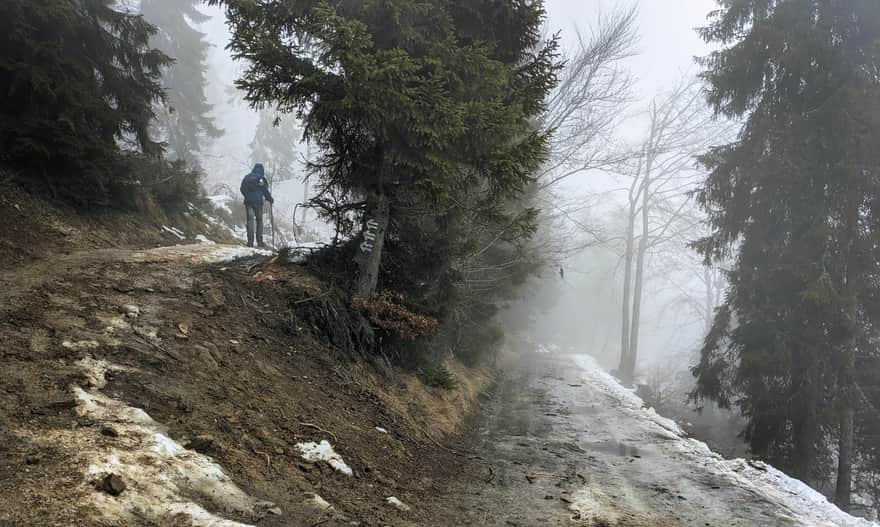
{"type": "Point", "coordinates": [586, 304]}
{"type": "Point", "coordinates": [583, 309]}
{"type": "Point", "coordinates": [544, 233]}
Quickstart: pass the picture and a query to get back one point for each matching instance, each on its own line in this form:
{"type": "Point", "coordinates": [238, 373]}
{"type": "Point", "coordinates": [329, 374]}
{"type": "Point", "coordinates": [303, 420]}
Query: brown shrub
{"type": "Point", "coordinates": [386, 310]}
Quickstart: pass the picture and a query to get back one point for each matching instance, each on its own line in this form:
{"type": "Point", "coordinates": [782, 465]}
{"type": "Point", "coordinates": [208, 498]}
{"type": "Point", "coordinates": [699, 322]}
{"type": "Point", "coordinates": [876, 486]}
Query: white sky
{"type": "Point", "coordinates": [667, 46]}
{"type": "Point", "coordinates": [668, 41]}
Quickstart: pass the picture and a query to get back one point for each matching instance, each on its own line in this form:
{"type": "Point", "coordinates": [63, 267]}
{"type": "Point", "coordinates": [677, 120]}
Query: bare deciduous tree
{"type": "Point", "coordinates": [659, 208]}
{"type": "Point", "coordinates": [586, 107]}
{"type": "Point", "coordinates": [584, 113]}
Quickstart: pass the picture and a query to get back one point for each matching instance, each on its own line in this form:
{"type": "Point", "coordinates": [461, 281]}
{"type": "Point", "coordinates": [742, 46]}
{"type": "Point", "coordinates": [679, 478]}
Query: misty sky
{"type": "Point", "coordinates": [668, 41]}
{"type": "Point", "coordinates": [667, 46]}
{"type": "Point", "coordinates": [665, 51]}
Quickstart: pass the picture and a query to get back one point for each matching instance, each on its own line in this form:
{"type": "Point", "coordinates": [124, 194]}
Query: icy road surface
{"type": "Point", "coordinates": [567, 445]}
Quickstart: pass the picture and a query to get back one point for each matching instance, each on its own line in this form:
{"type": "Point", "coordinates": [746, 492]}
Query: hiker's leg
{"type": "Point", "coordinates": [258, 213]}
{"type": "Point", "coordinates": [249, 215]}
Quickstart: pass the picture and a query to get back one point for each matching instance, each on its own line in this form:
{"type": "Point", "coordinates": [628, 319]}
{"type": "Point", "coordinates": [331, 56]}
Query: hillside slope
{"type": "Point", "coordinates": [195, 377]}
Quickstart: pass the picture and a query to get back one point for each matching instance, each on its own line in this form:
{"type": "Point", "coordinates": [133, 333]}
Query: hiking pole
{"type": "Point", "coordinates": [272, 222]}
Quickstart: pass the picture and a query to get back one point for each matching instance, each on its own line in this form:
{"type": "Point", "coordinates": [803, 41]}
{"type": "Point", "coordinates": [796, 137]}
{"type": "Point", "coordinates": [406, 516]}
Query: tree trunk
{"type": "Point", "coordinates": [805, 424]}
{"type": "Point", "coordinates": [852, 277]}
{"type": "Point", "coordinates": [627, 273]}
{"type": "Point", "coordinates": [627, 286]}
{"type": "Point", "coordinates": [630, 372]}
{"type": "Point", "coordinates": [843, 490]}
{"type": "Point", "coordinates": [305, 209]}
{"type": "Point", "coordinates": [376, 219]}
{"type": "Point", "coordinates": [842, 494]}
{"type": "Point", "coordinates": [709, 309]}
{"type": "Point", "coordinates": [305, 201]}
{"type": "Point", "coordinates": [369, 256]}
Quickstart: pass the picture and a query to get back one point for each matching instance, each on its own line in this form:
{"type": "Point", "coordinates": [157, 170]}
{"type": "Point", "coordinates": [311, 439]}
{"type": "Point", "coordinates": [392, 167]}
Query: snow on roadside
{"type": "Point", "coordinates": [397, 504]}
{"type": "Point", "coordinates": [174, 231]}
{"type": "Point", "coordinates": [200, 253]}
{"type": "Point", "coordinates": [318, 502]}
{"type": "Point", "coordinates": [164, 482]}
{"type": "Point", "coordinates": [96, 371]}
{"type": "Point", "coordinates": [323, 451]}
{"type": "Point", "coordinates": [228, 253]}
{"type": "Point", "coordinates": [802, 503]}
{"type": "Point", "coordinates": [221, 201]}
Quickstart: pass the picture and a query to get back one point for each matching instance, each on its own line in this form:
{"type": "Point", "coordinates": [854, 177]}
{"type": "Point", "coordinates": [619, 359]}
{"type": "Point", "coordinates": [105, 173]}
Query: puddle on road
{"type": "Point", "coordinates": [615, 448]}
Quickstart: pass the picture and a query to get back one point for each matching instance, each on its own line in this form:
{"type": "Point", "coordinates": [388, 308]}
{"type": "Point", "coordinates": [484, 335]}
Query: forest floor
{"type": "Point", "coordinates": [190, 377]}
{"type": "Point", "coordinates": [148, 384]}
{"type": "Point", "coordinates": [193, 385]}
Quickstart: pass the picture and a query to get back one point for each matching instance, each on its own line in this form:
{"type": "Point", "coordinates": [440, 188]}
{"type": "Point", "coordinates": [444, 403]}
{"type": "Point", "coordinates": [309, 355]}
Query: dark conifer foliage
{"type": "Point", "coordinates": [425, 113]}
{"type": "Point", "coordinates": [185, 123]}
{"type": "Point", "coordinates": [79, 84]}
{"type": "Point", "coordinates": [797, 196]}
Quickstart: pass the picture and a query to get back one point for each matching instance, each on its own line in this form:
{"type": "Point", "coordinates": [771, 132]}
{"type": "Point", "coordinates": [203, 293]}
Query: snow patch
{"type": "Point", "coordinates": [174, 231]}
{"type": "Point", "coordinates": [318, 502]}
{"type": "Point", "coordinates": [200, 253]}
{"type": "Point", "coordinates": [113, 323]}
{"type": "Point", "coordinates": [397, 504]}
{"type": "Point", "coordinates": [101, 408]}
{"type": "Point", "coordinates": [96, 371]}
{"type": "Point", "coordinates": [221, 201]}
{"type": "Point", "coordinates": [792, 497]}
{"type": "Point", "coordinates": [202, 239]}
{"type": "Point", "coordinates": [593, 502]}
{"type": "Point", "coordinates": [166, 483]}
{"type": "Point", "coordinates": [323, 451]}
{"type": "Point", "coordinates": [81, 344]}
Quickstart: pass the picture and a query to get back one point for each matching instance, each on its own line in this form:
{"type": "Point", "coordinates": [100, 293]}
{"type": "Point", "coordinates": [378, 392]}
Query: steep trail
{"type": "Point", "coordinates": [19, 281]}
{"type": "Point", "coordinates": [567, 445]}
{"type": "Point", "coordinates": [197, 376]}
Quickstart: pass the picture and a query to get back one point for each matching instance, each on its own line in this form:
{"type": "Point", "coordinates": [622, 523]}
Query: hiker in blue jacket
{"type": "Point", "coordinates": [255, 189]}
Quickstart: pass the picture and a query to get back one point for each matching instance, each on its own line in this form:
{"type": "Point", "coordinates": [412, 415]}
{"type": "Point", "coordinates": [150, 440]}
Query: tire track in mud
{"type": "Point", "coordinates": [562, 453]}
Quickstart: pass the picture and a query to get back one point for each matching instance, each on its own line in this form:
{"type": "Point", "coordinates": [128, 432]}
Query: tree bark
{"type": "Point", "coordinates": [627, 286]}
{"type": "Point", "coordinates": [709, 310]}
{"type": "Point", "coordinates": [628, 257]}
{"type": "Point", "coordinates": [376, 218]}
{"type": "Point", "coordinates": [630, 372]}
{"type": "Point", "coordinates": [369, 257]}
{"type": "Point", "coordinates": [843, 492]}
{"type": "Point", "coordinates": [306, 189]}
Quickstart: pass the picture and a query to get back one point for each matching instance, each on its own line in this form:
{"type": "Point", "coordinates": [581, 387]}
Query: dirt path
{"type": "Point", "coordinates": [565, 450]}
{"type": "Point", "coordinates": [19, 281]}
{"type": "Point", "coordinates": [195, 379]}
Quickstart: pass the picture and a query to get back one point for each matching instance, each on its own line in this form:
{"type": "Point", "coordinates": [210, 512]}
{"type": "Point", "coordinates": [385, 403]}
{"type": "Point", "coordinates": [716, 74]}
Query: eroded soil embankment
{"type": "Point", "coordinates": [212, 374]}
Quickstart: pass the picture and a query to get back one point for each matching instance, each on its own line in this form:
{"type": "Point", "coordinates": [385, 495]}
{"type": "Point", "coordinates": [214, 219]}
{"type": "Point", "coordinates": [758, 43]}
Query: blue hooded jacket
{"type": "Point", "coordinates": [255, 187]}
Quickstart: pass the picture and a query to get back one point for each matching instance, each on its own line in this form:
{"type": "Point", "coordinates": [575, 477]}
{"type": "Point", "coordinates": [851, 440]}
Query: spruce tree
{"type": "Point", "coordinates": [797, 197]}
{"type": "Point", "coordinates": [79, 82]}
{"type": "Point", "coordinates": [185, 122]}
{"type": "Point", "coordinates": [275, 146]}
{"type": "Point", "coordinates": [406, 98]}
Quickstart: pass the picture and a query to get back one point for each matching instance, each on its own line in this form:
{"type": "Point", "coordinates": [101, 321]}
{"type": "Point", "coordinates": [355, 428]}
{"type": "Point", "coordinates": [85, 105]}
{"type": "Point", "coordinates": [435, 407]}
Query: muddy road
{"type": "Point", "coordinates": [564, 445]}
{"type": "Point", "coordinates": [194, 376]}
